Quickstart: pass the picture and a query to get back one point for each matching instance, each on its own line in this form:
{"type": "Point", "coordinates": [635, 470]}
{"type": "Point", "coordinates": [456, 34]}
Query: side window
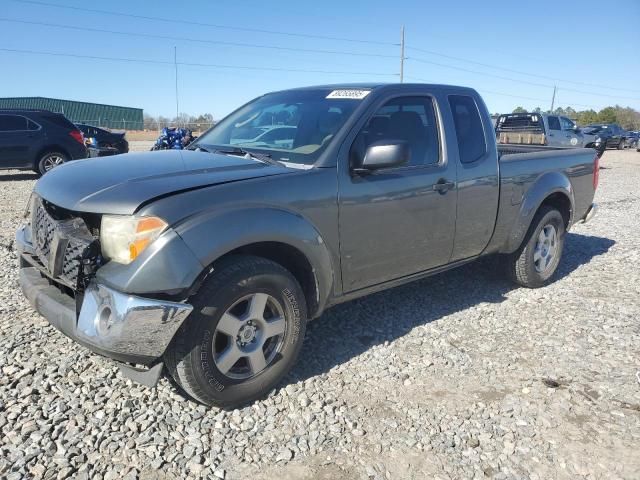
{"type": "Point", "coordinates": [554, 123]}
{"type": "Point", "coordinates": [10, 123]}
{"type": "Point", "coordinates": [567, 124]}
{"type": "Point", "coordinates": [411, 119]}
{"type": "Point", "coordinates": [469, 130]}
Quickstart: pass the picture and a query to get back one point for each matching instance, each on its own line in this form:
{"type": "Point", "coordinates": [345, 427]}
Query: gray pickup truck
{"type": "Point", "coordinates": [209, 261]}
{"type": "Point", "coordinates": [544, 129]}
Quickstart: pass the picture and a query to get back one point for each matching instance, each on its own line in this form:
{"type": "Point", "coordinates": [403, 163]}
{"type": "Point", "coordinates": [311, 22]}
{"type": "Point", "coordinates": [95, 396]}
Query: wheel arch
{"type": "Point", "coordinates": [278, 235]}
{"type": "Point", "coordinates": [289, 257]}
{"type": "Point", "coordinates": [48, 149]}
{"type": "Point", "coordinates": [553, 189]}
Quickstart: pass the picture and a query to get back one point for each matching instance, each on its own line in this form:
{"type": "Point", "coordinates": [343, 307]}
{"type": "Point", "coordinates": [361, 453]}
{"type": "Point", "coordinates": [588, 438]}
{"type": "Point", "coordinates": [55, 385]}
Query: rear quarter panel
{"type": "Point", "coordinates": [527, 179]}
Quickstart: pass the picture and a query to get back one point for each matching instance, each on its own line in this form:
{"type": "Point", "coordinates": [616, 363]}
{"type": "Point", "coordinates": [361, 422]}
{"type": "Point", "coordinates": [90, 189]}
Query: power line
{"type": "Point", "coordinates": [521, 97]}
{"type": "Point", "coordinates": [203, 24]}
{"type": "Point", "coordinates": [191, 64]}
{"type": "Point", "coordinates": [462, 69]}
{"type": "Point", "coordinates": [526, 82]}
{"type": "Point", "coordinates": [197, 40]}
{"type": "Point", "coordinates": [520, 72]}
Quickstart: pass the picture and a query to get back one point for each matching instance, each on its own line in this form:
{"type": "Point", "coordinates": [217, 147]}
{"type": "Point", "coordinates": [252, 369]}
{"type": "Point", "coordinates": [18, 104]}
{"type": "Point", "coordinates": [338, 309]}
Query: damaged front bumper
{"type": "Point", "coordinates": [124, 327]}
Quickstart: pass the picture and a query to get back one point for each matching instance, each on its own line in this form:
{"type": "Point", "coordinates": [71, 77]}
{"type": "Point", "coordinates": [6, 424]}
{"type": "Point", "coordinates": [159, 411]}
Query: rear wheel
{"type": "Point", "coordinates": [50, 160]}
{"type": "Point", "coordinates": [244, 333]}
{"type": "Point", "coordinates": [622, 144]}
{"type": "Point", "coordinates": [535, 262]}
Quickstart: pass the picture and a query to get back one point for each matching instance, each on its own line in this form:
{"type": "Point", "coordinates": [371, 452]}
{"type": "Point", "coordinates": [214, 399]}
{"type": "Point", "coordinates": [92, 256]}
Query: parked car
{"type": "Point", "coordinates": [538, 129]}
{"type": "Point", "coordinates": [210, 260]}
{"type": "Point", "coordinates": [105, 139]}
{"type": "Point", "coordinates": [611, 135]}
{"type": "Point", "coordinates": [38, 140]}
{"type": "Point", "coordinates": [633, 139]}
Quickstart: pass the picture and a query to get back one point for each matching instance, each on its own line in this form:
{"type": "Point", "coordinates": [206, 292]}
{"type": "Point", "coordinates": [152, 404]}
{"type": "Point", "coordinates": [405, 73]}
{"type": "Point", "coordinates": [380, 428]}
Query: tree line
{"type": "Point", "coordinates": [201, 122]}
{"type": "Point", "coordinates": [626, 117]}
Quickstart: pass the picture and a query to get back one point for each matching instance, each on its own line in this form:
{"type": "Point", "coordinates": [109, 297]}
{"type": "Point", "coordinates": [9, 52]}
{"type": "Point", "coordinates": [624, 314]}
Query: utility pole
{"type": "Point", "coordinates": [402, 54]}
{"type": "Point", "coordinates": [553, 99]}
{"type": "Point", "coordinates": [175, 64]}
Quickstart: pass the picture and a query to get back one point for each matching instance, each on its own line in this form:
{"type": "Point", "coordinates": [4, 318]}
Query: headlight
{"type": "Point", "coordinates": [124, 237]}
{"type": "Point", "coordinates": [598, 141]}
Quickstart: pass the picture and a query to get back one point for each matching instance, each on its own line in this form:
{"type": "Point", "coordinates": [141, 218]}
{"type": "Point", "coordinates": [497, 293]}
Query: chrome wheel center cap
{"type": "Point", "coordinates": [247, 333]}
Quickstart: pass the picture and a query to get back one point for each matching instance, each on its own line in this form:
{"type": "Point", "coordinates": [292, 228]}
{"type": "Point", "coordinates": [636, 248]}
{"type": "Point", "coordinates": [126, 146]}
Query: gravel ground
{"type": "Point", "coordinates": [457, 376]}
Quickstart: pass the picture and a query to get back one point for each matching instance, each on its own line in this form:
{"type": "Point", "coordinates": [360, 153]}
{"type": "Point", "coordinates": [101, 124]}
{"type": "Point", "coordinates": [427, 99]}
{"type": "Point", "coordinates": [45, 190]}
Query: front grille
{"type": "Point", "coordinates": [59, 243]}
{"type": "Point", "coordinates": [44, 227]}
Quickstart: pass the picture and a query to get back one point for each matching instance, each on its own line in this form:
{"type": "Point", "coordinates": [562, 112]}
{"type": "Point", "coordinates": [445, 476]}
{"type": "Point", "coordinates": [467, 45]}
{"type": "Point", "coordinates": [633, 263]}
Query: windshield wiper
{"type": "Point", "coordinates": [263, 157]}
{"type": "Point", "coordinates": [197, 148]}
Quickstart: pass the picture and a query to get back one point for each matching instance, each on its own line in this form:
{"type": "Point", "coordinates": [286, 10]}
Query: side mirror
{"type": "Point", "coordinates": [384, 154]}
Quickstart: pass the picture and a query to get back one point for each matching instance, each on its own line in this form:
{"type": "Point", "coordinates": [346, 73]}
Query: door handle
{"type": "Point", "coordinates": [443, 186]}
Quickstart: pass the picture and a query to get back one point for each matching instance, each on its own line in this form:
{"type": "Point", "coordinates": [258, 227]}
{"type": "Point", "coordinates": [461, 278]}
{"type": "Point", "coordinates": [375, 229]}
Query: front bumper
{"type": "Point", "coordinates": [117, 325]}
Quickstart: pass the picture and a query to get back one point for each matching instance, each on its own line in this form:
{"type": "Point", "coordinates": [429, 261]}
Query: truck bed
{"type": "Point", "coordinates": [510, 149]}
{"type": "Point", "coordinates": [527, 170]}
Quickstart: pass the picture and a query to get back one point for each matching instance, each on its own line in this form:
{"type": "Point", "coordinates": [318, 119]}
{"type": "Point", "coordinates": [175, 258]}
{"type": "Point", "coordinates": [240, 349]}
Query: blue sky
{"type": "Point", "coordinates": [595, 61]}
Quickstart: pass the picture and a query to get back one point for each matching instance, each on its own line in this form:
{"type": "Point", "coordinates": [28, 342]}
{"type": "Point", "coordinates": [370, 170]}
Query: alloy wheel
{"type": "Point", "coordinates": [546, 248]}
{"type": "Point", "coordinates": [249, 336]}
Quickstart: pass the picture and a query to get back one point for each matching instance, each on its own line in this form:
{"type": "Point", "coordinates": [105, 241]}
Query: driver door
{"type": "Point", "coordinates": [397, 221]}
{"type": "Point", "coordinates": [569, 138]}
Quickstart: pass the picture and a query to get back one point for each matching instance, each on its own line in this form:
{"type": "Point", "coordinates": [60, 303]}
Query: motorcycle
{"type": "Point", "coordinates": [173, 139]}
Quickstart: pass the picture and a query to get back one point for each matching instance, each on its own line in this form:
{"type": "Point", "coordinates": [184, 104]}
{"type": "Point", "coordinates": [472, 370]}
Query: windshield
{"type": "Point", "coordinates": [293, 126]}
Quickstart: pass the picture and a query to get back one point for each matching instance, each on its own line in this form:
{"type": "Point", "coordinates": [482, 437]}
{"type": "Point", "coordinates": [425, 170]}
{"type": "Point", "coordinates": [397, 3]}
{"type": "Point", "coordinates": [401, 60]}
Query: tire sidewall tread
{"type": "Point", "coordinates": [520, 264]}
{"type": "Point", "coordinates": [190, 357]}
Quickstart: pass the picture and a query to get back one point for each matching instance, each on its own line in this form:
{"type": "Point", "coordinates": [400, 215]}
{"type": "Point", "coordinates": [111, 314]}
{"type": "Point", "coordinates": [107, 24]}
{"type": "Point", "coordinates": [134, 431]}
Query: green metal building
{"type": "Point", "coordinates": [96, 114]}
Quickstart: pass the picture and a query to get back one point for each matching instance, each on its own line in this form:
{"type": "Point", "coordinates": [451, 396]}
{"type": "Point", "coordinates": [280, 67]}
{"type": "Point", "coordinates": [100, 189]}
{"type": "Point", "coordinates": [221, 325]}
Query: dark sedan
{"type": "Point", "coordinates": [612, 134]}
{"type": "Point", "coordinates": [103, 139]}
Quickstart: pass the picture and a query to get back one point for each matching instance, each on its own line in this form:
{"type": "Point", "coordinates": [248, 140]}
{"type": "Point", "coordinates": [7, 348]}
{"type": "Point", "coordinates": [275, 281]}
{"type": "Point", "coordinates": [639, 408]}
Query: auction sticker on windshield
{"type": "Point", "coordinates": [350, 93]}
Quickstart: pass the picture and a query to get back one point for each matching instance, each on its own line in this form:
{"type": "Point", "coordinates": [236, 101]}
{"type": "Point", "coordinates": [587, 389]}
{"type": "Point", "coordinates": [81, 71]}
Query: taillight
{"type": "Point", "coordinates": [77, 136]}
{"type": "Point", "coordinates": [596, 171]}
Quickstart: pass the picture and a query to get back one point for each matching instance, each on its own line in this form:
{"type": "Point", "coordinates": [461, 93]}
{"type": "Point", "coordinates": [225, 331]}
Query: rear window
{"type": "Point", "coordinates": [59, 120]}
{"type": "Point", "coordinates": [529, 122]}
{"type": "Point", "coordinates": [469, 130]}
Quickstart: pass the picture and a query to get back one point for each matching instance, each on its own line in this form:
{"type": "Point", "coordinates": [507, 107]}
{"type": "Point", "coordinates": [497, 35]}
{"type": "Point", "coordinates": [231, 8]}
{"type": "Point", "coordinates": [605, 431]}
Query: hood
{"type": "Point", "coordinates": [121, 183]}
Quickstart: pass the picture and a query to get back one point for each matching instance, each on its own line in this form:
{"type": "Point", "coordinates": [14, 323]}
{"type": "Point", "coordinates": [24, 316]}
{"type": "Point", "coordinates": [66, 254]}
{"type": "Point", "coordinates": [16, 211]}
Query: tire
{"type": "Point", "coordinates": [523, 267]}
{"type": "Point", "coordinates": [196, 358]}
{"type": "Point", "coordinates": [621, 145]}
{"type": "Point", "coordinates": [50, 160]}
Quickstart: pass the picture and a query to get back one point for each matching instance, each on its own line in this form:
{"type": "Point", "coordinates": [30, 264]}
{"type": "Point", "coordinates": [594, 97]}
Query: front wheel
{"type": "Point", "coordinates": [535, 262]}
{"type": "Point", "coordinates": [50, 160]}
{"type": "Point", "coordinates": [621, 145]}
{"type": "Point", "coordinates": [244, 334]}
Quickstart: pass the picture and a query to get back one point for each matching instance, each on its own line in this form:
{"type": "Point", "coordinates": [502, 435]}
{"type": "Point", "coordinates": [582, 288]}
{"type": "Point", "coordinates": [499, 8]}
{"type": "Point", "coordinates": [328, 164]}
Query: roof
{"type": "Point", "coordinates": [69, 101]}
{"type": "Point", "coordinates": [372, 86]}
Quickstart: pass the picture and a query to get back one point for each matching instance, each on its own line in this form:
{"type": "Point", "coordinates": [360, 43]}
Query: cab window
{"type": "Point", "coordinates": [554, 123]}
{"type": "Point", "coordinates": [567, 124]}
{"type": "Point", "coordinates": [469, 129]}
{"type": "Point", "coordinates": [411, 119]}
